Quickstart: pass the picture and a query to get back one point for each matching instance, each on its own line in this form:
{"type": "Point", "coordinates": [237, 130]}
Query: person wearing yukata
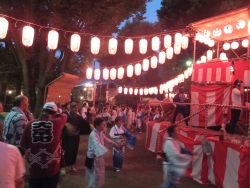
{"type": "Point", "coordinates": [95, 175]}
{"type": "Point", "coordinates": [139, 120]}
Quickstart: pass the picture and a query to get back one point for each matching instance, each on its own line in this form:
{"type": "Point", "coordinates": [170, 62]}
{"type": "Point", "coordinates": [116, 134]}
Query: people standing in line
{"type": "Point", "coordinates": [113, 115]}
{"type": "Point", "coordinates": [15, 122]}
{"type": "Point", "coordinates": [180, 108]}
{"type": "Point", "coordinates": [95, 177]}
{"type": "Point", "coordinates": [1, 120]}
{"type": "Point", "coordinates": [42, 141]}
{"type": "Point", "coordinates": [236, 101]}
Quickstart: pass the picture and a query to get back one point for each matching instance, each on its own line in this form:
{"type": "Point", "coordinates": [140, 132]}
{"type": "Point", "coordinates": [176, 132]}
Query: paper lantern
{"type": "Point", "coordinates": [143, 46]}
{"type": "Point", "coordinates": [177, 39]}
{"type": "Point", "coordinates": [105, 74]}
{"type": "Point", "coordinates": [131, 91]}
{"type": "Point", "coordinates": [206, 40]}
{"type": "Point", "coordinates": [209, 55]}
{"type": "Point", "coordinates": [135, 91]}
{"type": "Point", "coordinates": [245, 43]}
{"type": "Point", "coordinates": [170, 52]}
{"type": "Point", "coordinates": [125, 91]}
{"type": "Point", "coordinates": [155, 43]}
{"type": "Point", "coordinates": [113, 74]}
{"type": "Point", "coordinates": [151, 91]}
{"type": "Point", "coordinates": [119, 89]}
{"type": "Point", "coordinates": [75, 42]}
{"type": "Point", "coordinates": [28, 36]}
{"type": "Point", "coordinates": [211, 43]}
{"type": "Point", "coordinates": [141, 91]}
{"type": "Point", "coordinates": [170, 89]}
{"type": "Point", "coordinates": [226, 46]}
{"type": "Point", "coordinates": [184, 42]}
{"type": "Point", "coordinates": [4, 24]}
{"type": "Point", "coordinates": [248, 28]}
{"type": "Point", "coordinates": [234, 45]}
{"type": "Point", "coordinates": [228, 29]}
{"type": "Point", "coordinates": [240, 24]}
{"type": "Point", "coordinates": [197, 36]}
{"type": "Point", "coordinates": [176, 81]}
{"type": "Point", "coordinates": [128, 46]}
{"type": "Point", "coordinates": [53, 39]}
{"type": "Point", "coordinates": [89, 73]}
{"type": "Point", "coordinates": [97, 74]}
{"type": "Point", "coordinates": [145, 64]}
{"type": "Point", "coordinates": [130, 70]}
{"type": "Point", "coordinates": [112, 46]}
{"type": "Point", "coordinates": [162, 57]}
{"type": "Point", "coordinates": [177, 49]}
{"type": "Point", "coordinates": [120, 73]}
{"type": "Point", "coordinates": [95, 45]}
{"type": "Point", "coordinates": [217, 32]}
{"type": "Point", "coordinates": [206, 33]}
{"type": "Point", "coordinates": [166, 95]}
{"type": "Point", "coordinates": [186, 74]}
{"type": "Point", "coordinates": [167, 41]}
{"type": "Point", "coordinates": [203, 59]}
{"type": "Point", "coordinates": [145, 91]}
{"type": "Point", "coordinates": [201, 39]}
{"type": "Point", "coordinates": [153, 62]}
{"type": "Point", "coordinates": [223, 56]}
{"type": "Point", "coordinates": [155, 90]}
{"type": "Point", "coordinates": [138, 69]}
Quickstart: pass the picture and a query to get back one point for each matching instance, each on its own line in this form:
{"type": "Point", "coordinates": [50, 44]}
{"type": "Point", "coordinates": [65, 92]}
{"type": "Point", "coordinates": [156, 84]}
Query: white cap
{"type": "Point", "coordinates": [50, 106]}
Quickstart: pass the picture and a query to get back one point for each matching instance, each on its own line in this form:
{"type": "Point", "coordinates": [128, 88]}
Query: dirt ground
{"type": "Point", "coordinates": [140, 169]}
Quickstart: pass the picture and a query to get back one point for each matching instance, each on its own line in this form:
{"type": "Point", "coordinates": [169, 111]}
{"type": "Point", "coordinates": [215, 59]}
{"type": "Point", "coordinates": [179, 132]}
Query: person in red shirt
{"type": "Point", "coordinates": [42, 141]}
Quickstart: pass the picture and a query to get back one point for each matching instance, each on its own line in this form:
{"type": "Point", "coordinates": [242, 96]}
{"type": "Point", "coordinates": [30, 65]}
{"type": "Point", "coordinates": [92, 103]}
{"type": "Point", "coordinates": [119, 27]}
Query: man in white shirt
{"type": "Point", "coordinates": [84, 110]}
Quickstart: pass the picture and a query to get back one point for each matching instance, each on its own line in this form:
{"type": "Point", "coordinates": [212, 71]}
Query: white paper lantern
{"type": "Point", "coordinates": [245, 43]}
{"type": "Point", "coordinates": [95, 45]}
{"type": "Point", "coordinates": [145, 91]}
{"type": "Point", "coordinates": [217, 32]}
{"type": "Point", "coordinates": [206, 33]}
{"type": "Point", "coordinates": [129, 46]}
{"type": "Point", "coordinates": [184, 42]}
{"type": "Point", "coordinates": [234, 45]}
{"type": "Point", "coordinates": [53, 39]}
{"type": "Point", "coordinates": [145, 64]}
{"type": "Point", "coordinates": [120, 73]}
{"type": "Point", "coordinates": [167, 41]}
{"type": "Point", "coordinates": [197, 36]}
{"type": "Point", "coordinates": [153, 62]}
{"type": "Point", "coordinates": [112, 46]}
{"type": "Point", "coordinates": [155, 43]}
{"type": "Point", "coordinates": [143, 46]}
{"type": "Point", "coordinates": [135, 91]}
{"type": "Point", "coordinates": [170, 89]}
{"type": "Point", "coordinates": [28, 36]}
{"type": "Point", "coordinates": [177, 49]}
{"type": "Point", "coordinates": [201, 39]}
{"type": "Point", "coordinates": [138, 69]}
{"type": "Point", "coordinates": [177, 39]}
{"type": "Point", "coordinates": [4, 24]}
{"type": "Point", "coordinates": [223, 56]}
{"type": "Point", "coordinates": [89, 73]}
{"type": "Point", "coordinates": [166, 95]}
{"type": "Point", "coordinates": [176, 81]}
{"type": "Point", "coordinates": [161, 91]}
{"type": "Point", "coordinates": [119, 89]}
{"type": "Point", "coordinates": [240, 24]}
{"type": "Point", "coordinates": [209, 55]}
{"type": "Point", "coordinates": [112, 73]}
{"type": "Point", "coordinates": [228, 29]}
{"type": "Point", "coordinates": [130, 70]}
{"type": "Point", "coordinates": [155, 90]}
{"type": "Point", "coordinates": [141, 91]}
{"type": "Point", "coordinates": [211, 43]}
{"type": "Point", "coordinates": [186, 74]}
{"type": "Point", "coordinates": [125, 91]}
{"type": "Point", "coordinates": [97, 74]}
{"type": "Point", "coordinates": [226, 46]}
{"type": "Point", "coordinates": [131, 91]}
{"type": "Point", "coordinates": [170, 52]}
{"type": "Point", "coordinates": [75, 42]}
{"type": "Point", "coordinates": [105, 74]}
{"type": "Point", "coordinates": [162, 57]}
{"type": "Point", "coordinates": [206, 41]}
{"type": "Point", "coordinates": [203, 59]}
{"type": "Point", "coordinates": [151, 91]}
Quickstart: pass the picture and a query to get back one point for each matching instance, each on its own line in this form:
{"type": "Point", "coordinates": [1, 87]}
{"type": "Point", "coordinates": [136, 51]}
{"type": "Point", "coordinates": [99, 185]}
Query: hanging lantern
{"type": "Point", "coordinates": [170, 89]}
{"type": "Point", "coordinates": [176, 81]}
{"type": "Point", "coordinates": [153, 62]}
{"type": "Point", "coordinates": [28, 36]}
{"type": "Point", "coordinates": [125, 91]}
{"type": "Point", "coordinates": [53, 39]}
{"type": "Point", "coordinates": [234, 45]}
{"type": "Point", "coordinates": [155, 43]}
{"type": "Point", "coordinates": [141, 91]}
{"type": "Point", "coordinates": [223, 56]}
{"type": "Point", "coordinates": [131, 91]}
{"type": "Point", "coordinates": [161, 91]}
{"type": "Point", "coordinates": [97, 74]}
{"type": "Point", "coordinates": [226, 46]}
{"type": "Point", "coordinates": [177, 49]}
{"type": "Point", "coordinates": [130, 70]}
{"type": "Point", "coordinates": [112, 73]}
{"type": "Point", "coordinates": [198, 62]}
{"type": "Point", "coordinates": [143, 46]}
{"type": "Point", "coordinates": [217, 32]}
{"type": "Point", "coordinates": [166, 95]}
{"type": "Point", "coordinates": [167, 41]}
{"type": "Point", "coordinates": [138, 69]}
{"type": "Point", "coordinates": [119, 89]}
{"type": "Point", "coordinates": [162, 57]}
{"type": "Point", "coordinates": [4, 24]}
{"type": "Point", "coordinates": [135, 91]}
{"type": "Point", "coordinates": [128, 46]}
{"type": "Point", "coordinates": [209, 55]}
{"type": "Point", "coordinates": [201, 39]}
{"type": "Point", "coordinates": [75, 42]}
{"type": "Point", "coordinates": [240, 24]}
{"type": "Point", "coordinates": [155, 90]}
{"type": "Point", "coordinates": [186, 74]}
{"type": "Point", "coordinates": [203, 59]}
{"type": "Point", "coordinates": [105, 74]}
{"type": "Point", "coordinates": [248, 29]}
{"type": "Point", "coordinates": [151, 91]}
{"type": "Point", "coordinates": [245, 43]}
{"type": "Point", "coordinates": [145, 91]}
{"type": "Point", "coordinates": [177, 39]}
{"type": "Point", "coordinates": [206, 33]}
{"type": "Point", "coordinates": [184, 42]}
{"type": "Point", "coordinates": [170, 52]}
{"type": "Point", "coordinates": [228, 29]}
{"type": "Point", "coordinates": [206, 40]}
{"type": "Point", "coordinates": [197, 36]}
{"type": "Point", "coordinates": [145, 64]}
{"type": "Point", "coordinates": [112, 46]}
{"type": "Point", "coordinates": [211, 43]}
{"type": "Point", "coordinates": [120, 73]}
{"type": "Point", "coordinates": [95, 45]}
{"type": "Point", "coordinates": [89, 73]}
